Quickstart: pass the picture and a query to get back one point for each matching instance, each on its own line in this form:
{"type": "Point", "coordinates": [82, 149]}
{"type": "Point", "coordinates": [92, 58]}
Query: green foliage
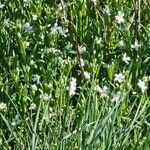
{"type": "Point", "coordinates": [74, 74]}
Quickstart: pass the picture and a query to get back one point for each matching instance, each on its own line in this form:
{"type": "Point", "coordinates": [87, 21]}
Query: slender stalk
{"type": "Point", "coordinates": [139, 15]}
{"type": "Point", "coordinates": [77, 48]}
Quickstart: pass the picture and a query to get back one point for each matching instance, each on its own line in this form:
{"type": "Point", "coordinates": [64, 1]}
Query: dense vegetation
{"type": "Point", "coordinates": [74, 74]}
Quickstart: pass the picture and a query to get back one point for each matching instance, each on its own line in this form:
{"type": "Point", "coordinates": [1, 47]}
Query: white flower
{"type": "Point", "coordinates": [97, 88]}
{"type": "Point", "coordinates": [72, 87]}
{"type": "Point", "coordinates": [1, 5]}
{"type": "Point", "coordinates": [121, 43]}
{"type": "Point", "coordinates": [44, 96]}
{"type": "Point", "coordinates": [42, 37]}
{"type": "Point", "coordinates": [19, 35]}
{"type": "Point", "coordinates": [6, 22]}
{"type": "Point", "coordinates": [107, 10]}
{"type": "Point", "coordinates": [146, 78]}
{"type": "Point", "coordinates": [134, 93]}
{"type": "Point", "coordinates": [32, 62]}
{"type": "Point", "coordinates": [34, 87]}
{"type": "Point", "coordinates": [26, 2]}
{"type": "Point", "coordinates": [13, 123]}
{"type": "Point", "coordinates": [64, 32]}
{"type": "Point", "coordinates": [125, 58]}
{"type": "Point", "coordinates": [16, 120]}
{"type": "Point", "coordinates": [120, 17]}
{"type": "Point", "coordinates": [93, 1]}
{"type": "Point", "coordinates": [94, 51]}
{"type": "Point", "coordinates": [28, 28]}
{"type": "Point", "coordinates": [61, 5]}
{"type": "Point", "coordinates": [103, 91]}
{"type": "Point", "coordinates": [98, 40]}
{"type": "Point", "coordinates": [86, 75]}
{"type": "Point", "coordinates": [119, 78]}
{"type": "Point", "coordinates": [32, 106]}
{"type": "Point", "coordinates": [82, 49]}
{"type": "Point", "coordinates": [36, 78]}
{"type": "Point", "coordinates": [27, 44]}
{"type": "Point", "coordinates": [142, 86]}
{"type": "Point", "coordinates": [58, 30]}
{"type": "Point", "coordinates": [82, 62]}
{"type": "Point", "coordinates": [116, 96]}
{"type": "Point", "coordinates": [136, 45]}
{"type": "Point", "coordinates": [52, 50]}
{"type": "Point", "coordinates": [50, 85]}
{"type": "Point", "coordinates": [34, 17]}
{"type": "Point", "coordinates": [3, 106]}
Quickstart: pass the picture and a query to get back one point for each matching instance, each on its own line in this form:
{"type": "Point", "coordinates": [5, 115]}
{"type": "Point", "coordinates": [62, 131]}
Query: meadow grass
{"type": "Point", "coordinates": [74, 75]}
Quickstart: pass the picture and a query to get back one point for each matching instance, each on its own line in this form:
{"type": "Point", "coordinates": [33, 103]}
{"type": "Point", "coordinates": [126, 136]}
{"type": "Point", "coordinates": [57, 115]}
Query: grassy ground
{"type": "Point", "coordinates": [74, 75]}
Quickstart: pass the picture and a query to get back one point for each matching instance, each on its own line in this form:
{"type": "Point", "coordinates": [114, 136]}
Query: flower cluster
{"type": "Point", "coordinates": [72, 87]}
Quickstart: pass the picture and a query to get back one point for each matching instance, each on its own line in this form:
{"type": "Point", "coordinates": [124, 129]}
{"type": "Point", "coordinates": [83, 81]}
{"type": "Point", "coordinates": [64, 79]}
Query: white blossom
{"type": "Point", "coordinates": [34, 17]}
{"type": "Point", "coordinates": [56, 29]}
{"type": "Point", "coordinates": [1, 5]}
{"type": "Point", "coordinates": [61, 5]}
{"type": "Point", "coordinates": [32, 62]}
{"type": "Point", "coordinates": [82, 49]}
{"type": "Point", "coordinates": [98, 40]}
{"type": "Point", "coordinates": [146, 78]}
{"type": "Point", "coordinates": [82, 62]}
{"type": "Point", "coordinates": [103, 91]}
{"type": "Point", "coordinates": [121, 43]}
{"type": "Point", "coordinates": [94, 1]}
{"type": "Point", "coordinates": [86, 75]}
{"type": "Point", "coordinates": [107, 10]}
{"type": "Point", "coordinates": [50, 85]}
{"type": "Point", "coordinates": [44, 96]}
{"type": "Point", "coordinates": [97, 88]}
{"type": "Point", "coordinates": [26, 2]}
{"type": "Point", "coordinates": [36, 78]}
{"type": "Point", "coordinates": [116, 97]}
{"type": "Point", "coordinates": [19, 35]}
{"type": "Point", "coordinates": [72, 87]}
{"type": "Point", "coordinates": [125, 58]}
{"type": "Point", "coordinates": [136, 45]}
{"type": "Point", "coordinates": [6, 22]}
{"type": "Point", "coordinates": [28, 28]}
{"type": "Point", "coordinates": [16, 120]}
{"type": "Point", "coordinates": [34, 87]}
{"type": "Point", "coordinates": [119, 78]}
{"type": "Point", "coordinates": [59, 30]}
{"type": "Point", "coordinates": [134, 93]}
{"type": "Point", "coordinates": [52, 50]}
{"type": "Point", "coordinates": [3, 106]}
{"type": "Point", "coordinates": [142, 86]}
{"type": "Point", "coordinates": [32, 106]}
{"type": "Point", "coordinates": [120, 17]}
